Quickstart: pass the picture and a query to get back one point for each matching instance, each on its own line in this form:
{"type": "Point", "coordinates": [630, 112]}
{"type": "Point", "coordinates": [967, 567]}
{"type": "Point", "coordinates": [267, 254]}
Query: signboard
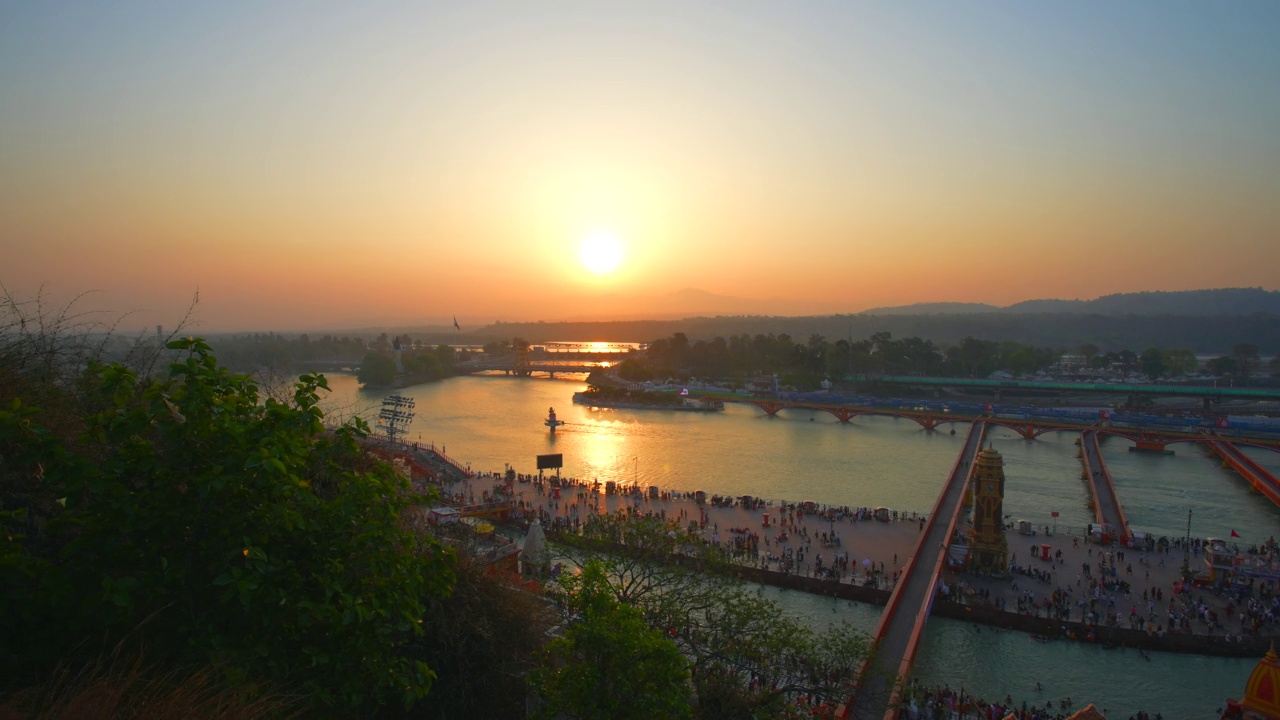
{"type": "Point", "coordinates": [547, 462]}
{"type": "Point", "coordinates": [1054, 513]}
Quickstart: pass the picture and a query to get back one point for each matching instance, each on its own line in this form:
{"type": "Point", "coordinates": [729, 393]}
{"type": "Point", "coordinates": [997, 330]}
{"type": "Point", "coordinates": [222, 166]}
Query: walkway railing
{"type": "Point", "coordinates": [1107, 508]}
{"type": "Point", "coordinates": [898, 634]}
{"type": "Point", "coordinates": [1250, 470]}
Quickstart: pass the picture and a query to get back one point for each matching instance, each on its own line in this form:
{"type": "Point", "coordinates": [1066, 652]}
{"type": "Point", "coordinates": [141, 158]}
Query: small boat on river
{"type": "Point", "coordinates": [551, 420]}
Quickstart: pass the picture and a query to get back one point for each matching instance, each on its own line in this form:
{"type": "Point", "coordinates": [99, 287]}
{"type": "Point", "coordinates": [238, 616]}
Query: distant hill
{"type": "Point", "coordinates": [934, 308]}
{"type": "Point", "coordinates": [1205, 335]}
{"type": "Point", "coordinates": [1185, 303]}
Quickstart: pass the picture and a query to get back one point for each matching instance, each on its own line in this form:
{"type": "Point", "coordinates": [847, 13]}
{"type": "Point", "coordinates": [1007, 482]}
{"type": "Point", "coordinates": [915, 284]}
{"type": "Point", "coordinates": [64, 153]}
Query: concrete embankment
{"type": "Point", "coordinates": [1044, 628]}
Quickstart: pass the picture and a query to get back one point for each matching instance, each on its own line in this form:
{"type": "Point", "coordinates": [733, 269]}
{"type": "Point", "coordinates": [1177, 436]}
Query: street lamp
{"type": "Point", "coordinates": [1186, 550]}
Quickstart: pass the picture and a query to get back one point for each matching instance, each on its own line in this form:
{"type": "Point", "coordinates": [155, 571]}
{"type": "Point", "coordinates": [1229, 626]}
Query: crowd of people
{"type": "Point", "coordinates": [1105, 587]}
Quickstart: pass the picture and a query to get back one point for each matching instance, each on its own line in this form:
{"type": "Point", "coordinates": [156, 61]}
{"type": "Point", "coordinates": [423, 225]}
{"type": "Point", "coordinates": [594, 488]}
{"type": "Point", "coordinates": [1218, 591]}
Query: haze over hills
{"type": "Point", "coordinates": [1194, 303]}
{"type": "Point", "coordinates": [695, 303]}
{"type": "Point", "coordinates": [1206, 321]}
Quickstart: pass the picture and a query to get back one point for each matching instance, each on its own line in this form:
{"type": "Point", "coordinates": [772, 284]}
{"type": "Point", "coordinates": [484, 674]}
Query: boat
{"type": "Point", "coordinates": [551, 420]}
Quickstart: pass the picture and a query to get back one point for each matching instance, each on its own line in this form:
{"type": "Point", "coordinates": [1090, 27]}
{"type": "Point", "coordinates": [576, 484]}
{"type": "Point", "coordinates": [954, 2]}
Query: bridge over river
{"type": "Point", "coordinates": [901, 627]}
{"type": "Point", "coordinates": [1108, 512]}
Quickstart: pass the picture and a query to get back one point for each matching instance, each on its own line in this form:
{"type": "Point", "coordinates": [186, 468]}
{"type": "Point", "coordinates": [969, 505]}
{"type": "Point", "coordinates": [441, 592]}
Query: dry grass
{"type": "Point", "coordinates": [124, 687]}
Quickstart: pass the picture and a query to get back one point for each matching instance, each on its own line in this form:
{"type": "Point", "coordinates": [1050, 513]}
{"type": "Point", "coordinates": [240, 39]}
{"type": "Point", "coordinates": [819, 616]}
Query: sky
{"type": "Point", "coordinates": [333, 164]}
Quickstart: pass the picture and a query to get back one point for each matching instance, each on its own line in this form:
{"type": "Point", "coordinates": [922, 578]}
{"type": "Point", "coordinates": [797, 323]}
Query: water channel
{"type": "Point", "coordinates": [800, 455]}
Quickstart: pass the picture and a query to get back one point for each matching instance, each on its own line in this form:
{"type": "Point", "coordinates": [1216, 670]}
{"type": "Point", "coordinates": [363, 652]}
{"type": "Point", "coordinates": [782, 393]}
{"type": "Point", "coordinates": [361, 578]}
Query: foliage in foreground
{"type": "Point", "coordinates": [748, 659]}
{"type": "Point", "coordinates": [609, 665]}
{"type": "Point", "coordinates": [214, 527]}
{"type": "Point", "coordinates": [122, 686]}
{"type": "Point", "coordinates": [482, 639]}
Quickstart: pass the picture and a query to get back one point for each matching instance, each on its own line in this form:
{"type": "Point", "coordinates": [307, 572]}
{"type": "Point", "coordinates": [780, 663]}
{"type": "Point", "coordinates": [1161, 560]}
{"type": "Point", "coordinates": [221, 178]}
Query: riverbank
{"type": "Point", "coordinates": [1040, 628]}
{"type": "Point", "coordinates": [594, 400]}
{"type": "Point", "coordinates": [836, 552]}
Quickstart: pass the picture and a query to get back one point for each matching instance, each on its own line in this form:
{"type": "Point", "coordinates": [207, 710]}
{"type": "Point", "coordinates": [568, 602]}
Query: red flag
{"type": "Point", "coordinates": [1235, 534]}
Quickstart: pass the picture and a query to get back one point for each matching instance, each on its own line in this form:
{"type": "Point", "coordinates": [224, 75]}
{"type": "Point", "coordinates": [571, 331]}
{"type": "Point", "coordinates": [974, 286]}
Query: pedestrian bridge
{"type": "Point", "coordinates": [897, 636]}
{"type": "Point", "coordinates": [1108, 512]}
{"type": "Point", "coordinates": [1259, 477]}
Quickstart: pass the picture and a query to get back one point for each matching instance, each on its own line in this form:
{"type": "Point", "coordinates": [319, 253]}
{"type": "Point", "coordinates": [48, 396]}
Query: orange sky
{"type": "Point", "coordinates": [324, 164]}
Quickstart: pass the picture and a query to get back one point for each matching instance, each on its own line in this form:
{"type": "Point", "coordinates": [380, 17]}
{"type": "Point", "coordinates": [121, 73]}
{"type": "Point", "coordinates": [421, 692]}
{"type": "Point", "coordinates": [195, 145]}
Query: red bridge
{"type": "Point", "coordinates": [1258, 476]}
{"type": "Point", "coordinates": [901, 627]}
{"type": "Point", "coordinates": [926, 419]}
{"type": "Point", "coordinates": [1107, 510]}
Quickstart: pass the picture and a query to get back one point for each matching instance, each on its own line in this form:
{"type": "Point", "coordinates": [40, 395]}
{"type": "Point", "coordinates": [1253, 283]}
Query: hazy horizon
{"type": "Point", "coordinates": [329, 165]}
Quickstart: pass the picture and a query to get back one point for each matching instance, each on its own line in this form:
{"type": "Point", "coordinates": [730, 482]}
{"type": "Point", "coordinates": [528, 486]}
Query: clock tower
{"type": "Point", "coordinates": [988, 547]}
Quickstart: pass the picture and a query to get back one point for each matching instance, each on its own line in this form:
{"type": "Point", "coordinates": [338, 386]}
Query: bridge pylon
{"type": "Point", "coordinates": [522, 358]}
{"type": "Point", "coordinates": [1150, 442]}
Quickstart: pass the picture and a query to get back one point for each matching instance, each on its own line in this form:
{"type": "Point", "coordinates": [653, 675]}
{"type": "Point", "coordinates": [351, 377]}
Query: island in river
{"type": "Point", "coordinates": [644, 400]}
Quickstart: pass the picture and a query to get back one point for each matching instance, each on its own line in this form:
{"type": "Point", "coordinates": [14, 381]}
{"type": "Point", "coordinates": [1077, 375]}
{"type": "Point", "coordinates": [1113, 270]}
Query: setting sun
{"type": "Point", "coordinates": [600, 253]}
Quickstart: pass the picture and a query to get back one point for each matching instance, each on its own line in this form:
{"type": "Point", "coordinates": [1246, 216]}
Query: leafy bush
{"type": "Point", "coordinates": [216, 527]}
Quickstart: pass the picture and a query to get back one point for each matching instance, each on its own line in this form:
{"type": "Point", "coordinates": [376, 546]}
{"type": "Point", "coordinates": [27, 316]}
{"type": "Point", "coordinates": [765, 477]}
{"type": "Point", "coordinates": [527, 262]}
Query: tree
{"type": "Point", "coordinates": [732, 637]}
{"type": "Point", "coordinates": [1180, 362]}
{"type": "Point", "coordinates": [1246, 357]}
{"type": "Point", "coordinates": [1088, 351]}
{"type": "Point", "coordinates": [1224, 366]}
{"type": "Point", "coordinates": [609, 664]}
{"type": "Point", "coordinates": [483, 639]}
{"type": "Point", "coordinates": [216, 528]}
{"type": "Point", "coordinates": [1152, 363]}
{"type": "Point", "coordinates": [631, 369]}
{"type": "Point", "coordinates": [377, 369]}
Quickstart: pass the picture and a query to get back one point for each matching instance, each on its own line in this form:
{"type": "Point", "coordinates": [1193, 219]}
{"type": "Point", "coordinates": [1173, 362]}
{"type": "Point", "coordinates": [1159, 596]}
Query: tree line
{"type": "Point", "coordinates": [807, 364]}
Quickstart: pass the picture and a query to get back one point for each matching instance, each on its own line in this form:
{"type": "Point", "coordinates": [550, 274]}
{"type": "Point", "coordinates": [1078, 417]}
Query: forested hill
{"type": "Point", "coordinates": [1205, 334]}
{"type": "Point", "coordinates": [1202, 303]}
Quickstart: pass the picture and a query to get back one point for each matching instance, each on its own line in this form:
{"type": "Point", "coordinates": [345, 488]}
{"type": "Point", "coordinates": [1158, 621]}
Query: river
{"type": "Point", "coordinates": [490, 422]}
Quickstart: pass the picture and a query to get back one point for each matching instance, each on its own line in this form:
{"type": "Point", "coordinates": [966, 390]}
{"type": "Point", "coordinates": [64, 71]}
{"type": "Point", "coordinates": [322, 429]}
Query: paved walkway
{"type": "Point", "coordinates": [1131, 587]}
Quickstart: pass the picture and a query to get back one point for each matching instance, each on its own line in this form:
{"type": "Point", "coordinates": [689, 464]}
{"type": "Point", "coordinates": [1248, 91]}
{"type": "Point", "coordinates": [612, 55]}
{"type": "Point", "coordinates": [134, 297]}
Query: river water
{"type": "Point", "coordinates": [492, 421]}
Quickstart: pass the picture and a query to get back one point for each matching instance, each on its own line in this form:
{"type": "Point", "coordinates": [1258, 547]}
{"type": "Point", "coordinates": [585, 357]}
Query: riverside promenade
{"type": "Point", "coordinates": [1101, 594]}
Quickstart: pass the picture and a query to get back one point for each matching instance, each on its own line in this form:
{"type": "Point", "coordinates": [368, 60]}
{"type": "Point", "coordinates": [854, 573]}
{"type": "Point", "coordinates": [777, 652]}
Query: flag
{"type": "Point", "coordinates": [1235, 534]}
{"type": "Point", "coordinates": [455, 323]}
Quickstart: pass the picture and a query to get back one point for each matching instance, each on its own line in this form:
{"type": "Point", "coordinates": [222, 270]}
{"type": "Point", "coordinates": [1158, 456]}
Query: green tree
{"type": "Point", "coordinates": [1180, 362]}
{"type": "Point", "coordinates": [377, 369]}
{"type": "Point", "coordinates": [733, 638]}
{"type": "Point", "coordinates": [1223, 366]}
{"type": "Point", "coordinates": [215, 527]}
{"type": "Point", "coordinates": [1152, 363]}
{"type": "Point", "coordinates": [1246, 356]}
{"type": "Point", "coordinates": [609, 665]}
{"type": "Point", "coordinates": [633, 370]}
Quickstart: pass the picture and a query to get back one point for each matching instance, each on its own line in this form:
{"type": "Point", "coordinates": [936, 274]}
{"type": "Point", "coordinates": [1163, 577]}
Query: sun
{"type": "Point", "coordinates": [601, 253]}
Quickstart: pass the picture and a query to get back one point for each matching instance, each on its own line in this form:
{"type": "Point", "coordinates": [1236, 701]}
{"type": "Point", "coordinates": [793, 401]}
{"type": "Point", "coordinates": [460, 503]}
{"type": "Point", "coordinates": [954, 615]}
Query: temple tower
{"type": "Point", "coordinates": [988, 547]}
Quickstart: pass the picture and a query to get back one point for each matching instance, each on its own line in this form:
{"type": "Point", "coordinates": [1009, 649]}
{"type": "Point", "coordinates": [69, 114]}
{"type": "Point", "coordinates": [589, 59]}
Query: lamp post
{"type": "Point", "coordinates": [1186, 550]}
